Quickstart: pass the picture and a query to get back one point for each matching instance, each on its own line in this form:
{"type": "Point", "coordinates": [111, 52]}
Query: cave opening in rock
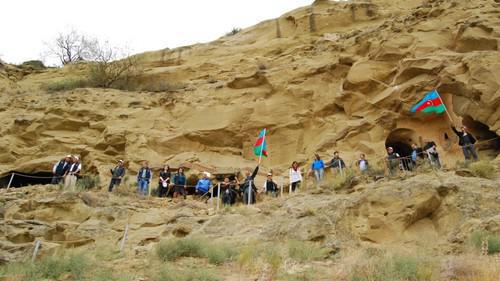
{"type": "Point", "coordinates": [487, 140]}
{"type": "Point", "coordinates": [25, 179]}
{"type": "Point", "coordinates": [400, 140]}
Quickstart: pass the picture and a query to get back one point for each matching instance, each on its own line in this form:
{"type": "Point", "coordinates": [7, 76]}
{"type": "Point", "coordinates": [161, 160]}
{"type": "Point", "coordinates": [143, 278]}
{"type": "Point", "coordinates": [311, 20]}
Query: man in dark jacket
{"type": "Point", "coordinates": [117, 174]}
{"type": "Point", "coordinates": [249, 188]}
{"type": "Point", "coordinates": [466, 141]}
{"type": "Point", "coordinates": [60, 169]}
{"type": "Point", "coordinates": [337, 162]}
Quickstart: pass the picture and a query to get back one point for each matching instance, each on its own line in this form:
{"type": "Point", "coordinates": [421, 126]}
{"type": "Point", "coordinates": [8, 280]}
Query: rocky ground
{"type": "Point", "coordinates": [432, 215]}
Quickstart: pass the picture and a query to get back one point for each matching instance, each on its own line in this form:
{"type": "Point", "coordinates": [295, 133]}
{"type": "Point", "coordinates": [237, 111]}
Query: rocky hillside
{"type": "Point", "coordinates": [330, 76]}
{"type": "Point", "coordinates": [317, 234]}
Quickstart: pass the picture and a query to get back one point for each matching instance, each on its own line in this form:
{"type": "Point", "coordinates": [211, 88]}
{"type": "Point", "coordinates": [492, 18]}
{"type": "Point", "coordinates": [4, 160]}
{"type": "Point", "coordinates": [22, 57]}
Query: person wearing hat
{"type": "Point", "coordinates": [392, 160]}
{"type": "Point", "coordinates": [203, 186]}
{"type": "Point", "coordinates": [466, 141]}
{"type": "Point", "coordinates": [270, 187]}
{"type": "Point", "coordinates": [60, 169]}
{"type": "Point", "coordinates": [72, 173]}
{"type": "Point", "coordinates": [117, 174]}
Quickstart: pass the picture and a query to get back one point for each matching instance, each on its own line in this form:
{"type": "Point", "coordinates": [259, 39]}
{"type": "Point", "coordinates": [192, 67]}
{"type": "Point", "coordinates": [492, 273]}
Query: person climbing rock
{"type": "Point", "coordinates": [295, 175]}
{"type": "Point", "coordinates": [164, 181]}
{"type": "Point", "coordinates": [466, 141]}
{"type": "Point", "coordinates": [144, 177]}
{"type": "Point", "coordinates": [72, 173]}
{"type": "Point", "coordinates": [270, 186]}
{"type": "Point", "coordinates": [392, 160]}
{"type": "Point", "coordinates": [318, 168]}
{"type": "Point", "coordinates": [60, 169]}
{"type": "Point", "coordinates": [362, 163]}
{"type": "Point", "coordinates": [117, 174]}
{"type": "Point", "coordinates": [203, 186]}
{"type": "Point", "coordinates": [180, 183]}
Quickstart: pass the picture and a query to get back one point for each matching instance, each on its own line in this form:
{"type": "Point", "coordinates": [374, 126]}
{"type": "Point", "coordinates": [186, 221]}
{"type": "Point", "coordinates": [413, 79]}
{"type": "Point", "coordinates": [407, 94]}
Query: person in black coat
{"type": "Point", "coordinates": [466, 141]}
{"type": "Point", "coordinates": [248, 187]}
{"type": "Point", "coordinates": [164, 181]}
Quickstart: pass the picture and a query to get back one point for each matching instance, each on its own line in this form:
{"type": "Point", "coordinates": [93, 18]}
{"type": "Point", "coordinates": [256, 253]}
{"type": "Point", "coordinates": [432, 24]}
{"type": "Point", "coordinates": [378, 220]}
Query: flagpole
{"type": "Point", "coordinates": [445, 108]}
{"type": "Point", "coordinates": [262, 145]}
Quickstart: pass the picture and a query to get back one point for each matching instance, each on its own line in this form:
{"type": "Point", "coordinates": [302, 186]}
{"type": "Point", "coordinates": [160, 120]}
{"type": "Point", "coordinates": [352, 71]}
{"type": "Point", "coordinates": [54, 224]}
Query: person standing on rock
{"type": "Point", "coordinates": [203, 186]}
{"type": "Point", "coordinates": [180, 183]}
{"type": "Point", "coordinates": [295, 175]}
{"type": "Point", "coordinates": [249, 188]}
{"type": "Point", "coordinates": [392, 160]}
{"type": "Point", "coordinates": [60, 169]}
{"type": "Point", "coordinates": [117, 174]}
{"type": "Point", "coordinates": [416, 152]}
{"type": "Point", "coordinates": [230, 193]}
{"type": "Point", "coordinates": [362, 163]}
{"type": "Point", "coordinates": [270, 186]}
{"type": "Point", "coordinates": [164, 181]}
{"type": "Point", "coordinates": [337, 163]}
{"type": "Point", "coordinates": [318, 168]}
{"type": "Point", "coordinates": [144, 177]}
{"type": "Point", "coordinates": [72, 173]}
{"type": "Point", "coordinates": [466, 141]}
{"type": "Point", "coordinates": [431, 150]}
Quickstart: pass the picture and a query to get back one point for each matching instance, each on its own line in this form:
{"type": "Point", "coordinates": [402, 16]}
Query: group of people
{"type": "Point", "coordinates": [246, 190]}
{"type": "Point", "coordinates": [67, 169]}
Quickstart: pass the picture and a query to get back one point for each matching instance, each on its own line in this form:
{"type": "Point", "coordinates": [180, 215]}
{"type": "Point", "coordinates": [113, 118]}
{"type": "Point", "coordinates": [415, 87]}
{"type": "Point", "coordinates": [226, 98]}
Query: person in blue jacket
{"type": "Point", "coordinates": [144, 178]}
{"type": "Point", "coordinates": [203, 186]}
{"type": "Point", "coordinates": [318, 168]}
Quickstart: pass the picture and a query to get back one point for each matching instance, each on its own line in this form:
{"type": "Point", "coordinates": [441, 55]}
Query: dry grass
{"type": "Point", "coordinates": [483, 169]}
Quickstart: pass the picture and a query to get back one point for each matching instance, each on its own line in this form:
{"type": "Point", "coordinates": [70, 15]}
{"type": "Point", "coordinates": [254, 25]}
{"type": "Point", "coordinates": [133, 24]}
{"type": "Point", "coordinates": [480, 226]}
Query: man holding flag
{"type": "Point", "coordinates": [249, 188]}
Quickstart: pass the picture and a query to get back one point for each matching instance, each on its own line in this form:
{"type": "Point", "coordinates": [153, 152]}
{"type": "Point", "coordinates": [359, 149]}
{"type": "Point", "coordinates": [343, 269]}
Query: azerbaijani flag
{"type": "Point", "coordinates": [430, 103]}
{"type": "Point", "coordinates": [261, 145]}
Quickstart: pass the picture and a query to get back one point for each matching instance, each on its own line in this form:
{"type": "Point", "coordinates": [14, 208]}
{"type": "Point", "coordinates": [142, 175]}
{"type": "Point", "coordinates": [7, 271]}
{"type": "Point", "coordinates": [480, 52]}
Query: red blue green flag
{"type": "Point", "coordinates": [430, 103]}
{"type": "Point", "coordinates": [260, 146]}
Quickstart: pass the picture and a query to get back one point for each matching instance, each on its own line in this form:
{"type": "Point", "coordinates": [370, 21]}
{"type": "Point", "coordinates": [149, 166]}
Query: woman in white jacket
{"type": "Point", "coordinates": [295, 176]}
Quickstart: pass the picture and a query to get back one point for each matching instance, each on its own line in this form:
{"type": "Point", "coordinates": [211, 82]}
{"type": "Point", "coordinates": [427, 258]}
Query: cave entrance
{"type": "Point", "coordinates": [25, 179]}
{"type": "Point", "coordinates": [482, 133]}
{"type": "Point", "coordinates": [400, 140]}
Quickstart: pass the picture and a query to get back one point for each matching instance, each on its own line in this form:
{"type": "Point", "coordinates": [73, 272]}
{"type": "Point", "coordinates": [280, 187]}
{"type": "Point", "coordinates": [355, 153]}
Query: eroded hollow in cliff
{"type": "Point", "coordinates": [400, 140]}
{"type": "Point", "coordinates": [487, 140]}
{"type": "Point", "coordinates": [25, 179]}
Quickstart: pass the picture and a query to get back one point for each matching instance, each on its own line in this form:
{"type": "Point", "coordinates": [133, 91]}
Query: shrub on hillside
{"type": "Point", "coordinates": [87, 182]}
{"type": "Point", "coordinates": [170, 273]}
{"type": "Point", "coordinates": [234, 31]}
{"type": "Point", "coordinates": [483, 169]}
{"type": "Point", "coordinates": [478, 237]}
{"type": "Point", "coordinates": [173, 249]}
{"type": "Point", "coordinates": [33, 64]}
{"type": "Point", "coordinates": [66, 85]}
{"type": "Point", "coordinates": [306, 251]}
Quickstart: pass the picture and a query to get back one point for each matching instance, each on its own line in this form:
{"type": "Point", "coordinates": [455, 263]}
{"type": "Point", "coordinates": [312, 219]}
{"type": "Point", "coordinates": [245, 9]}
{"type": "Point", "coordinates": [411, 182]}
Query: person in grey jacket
{"type": "Point", "coordinates": [117, 174]}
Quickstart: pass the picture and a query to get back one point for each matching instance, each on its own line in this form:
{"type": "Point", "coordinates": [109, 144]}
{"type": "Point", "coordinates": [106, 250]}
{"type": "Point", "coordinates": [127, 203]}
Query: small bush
{"type": "Point", "coordinates": [173, 249]}
{"type": "Point", "coordinates": [33, 64]}
{"type": "Point", "coordinates": [346, 181]}
{"type": "Point", "coordinates": [66, 85]}
{"type": "Point", "coordinates": [483, 169]}
{"type": "Point", "coordinates": [186, 274]}
{"type": "Point", "coordinates": [478, 237]}
{"type": "Point", "coordinates": [233, 31]}
{"type": "Point", "coordinates": [87, 182]}
{"type": "Point", "coordinates": [305, 251]}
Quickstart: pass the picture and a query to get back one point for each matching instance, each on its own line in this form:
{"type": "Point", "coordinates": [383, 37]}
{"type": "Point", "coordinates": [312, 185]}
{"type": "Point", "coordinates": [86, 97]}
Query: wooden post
{"type": "Point", "coordinates": [10, 181]}
{"type": "Point", "coordinates": [218, 196]}
{"type": "Point", "coordinates": [281, 189]}
{"type": "Point", "coordinates": [122, 243]}
{"type": "Point", "coordinates": [249, 192]}
{"type": "Point", "coordinates": [35, 251]}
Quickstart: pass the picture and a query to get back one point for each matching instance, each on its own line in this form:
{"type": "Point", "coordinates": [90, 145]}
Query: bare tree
{"type": "Point", "coordinates": [110, 65]}
{"type": "Point", "coordinates": [71, 47]}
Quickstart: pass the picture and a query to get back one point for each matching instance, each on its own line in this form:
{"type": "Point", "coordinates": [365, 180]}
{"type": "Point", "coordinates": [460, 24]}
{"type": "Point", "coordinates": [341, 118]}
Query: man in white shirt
{"type": "Point", "coordinates": [72, 173]}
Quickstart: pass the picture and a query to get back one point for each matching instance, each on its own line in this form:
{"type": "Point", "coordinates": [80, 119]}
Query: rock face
{"type": "Point", "coordinates": [331, 76]}
{"type": "Point", "coordinates": [436, 213]}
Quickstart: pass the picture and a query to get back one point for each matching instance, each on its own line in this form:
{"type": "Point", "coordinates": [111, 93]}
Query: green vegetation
{"type": "Point", "coordinates": [306, 251]}
{"type": "Point", "coordinates": [169, 273]}
{"type": "Point", "coordinates": [478, 237]}
{"type": "Point", "coordinates": [73, 266]}
{"type": "Point", "coordinates": [87, 182]}
{"type": "Point", "coordinates": [256, 254]}
{"type": "Point", "coordinates": [66, 85]}
{"type": "Point", "coordinates": [173, 249]}
{"type": "Point", "coordinates": [483, 169]}
{"type": "Point", "coordinates": [348, 180]}
{"type": "Point", "coordinates": [394, 268]}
